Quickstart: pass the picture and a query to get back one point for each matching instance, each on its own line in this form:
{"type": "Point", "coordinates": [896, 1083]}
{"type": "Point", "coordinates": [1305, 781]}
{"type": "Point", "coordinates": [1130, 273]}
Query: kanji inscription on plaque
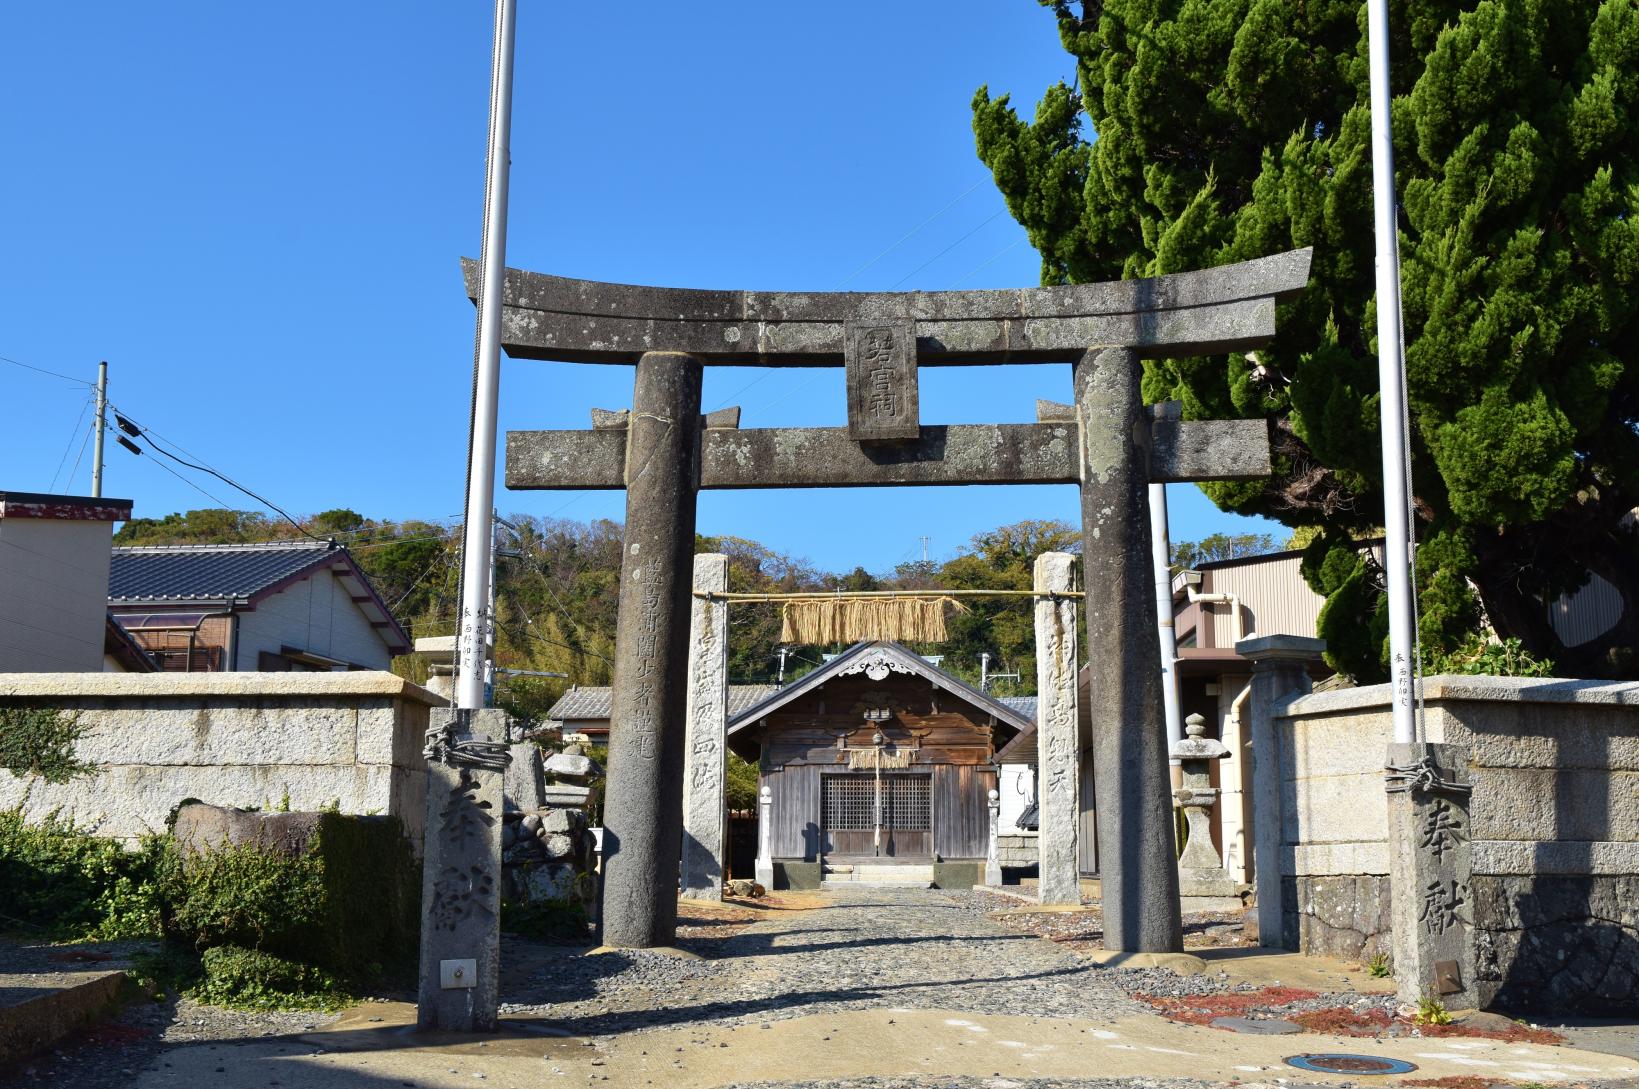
{"type": "Point", "coordinates": [881, 364]}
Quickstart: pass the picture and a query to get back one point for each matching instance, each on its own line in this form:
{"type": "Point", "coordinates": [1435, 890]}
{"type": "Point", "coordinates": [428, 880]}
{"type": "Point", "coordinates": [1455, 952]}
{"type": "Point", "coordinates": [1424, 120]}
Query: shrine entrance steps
{"type": "Point", "coordinates": [878, 873]}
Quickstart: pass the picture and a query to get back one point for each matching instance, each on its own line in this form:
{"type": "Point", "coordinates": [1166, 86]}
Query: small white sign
{"type": "Point", "coordinates": [455, 975]}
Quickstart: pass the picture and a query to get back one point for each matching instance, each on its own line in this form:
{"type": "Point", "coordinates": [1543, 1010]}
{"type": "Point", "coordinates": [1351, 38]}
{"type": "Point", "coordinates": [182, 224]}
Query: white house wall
{"type": "Point", "coordinates": [53, 595]}
{"type": "Point", "coordinates": [315, 615]}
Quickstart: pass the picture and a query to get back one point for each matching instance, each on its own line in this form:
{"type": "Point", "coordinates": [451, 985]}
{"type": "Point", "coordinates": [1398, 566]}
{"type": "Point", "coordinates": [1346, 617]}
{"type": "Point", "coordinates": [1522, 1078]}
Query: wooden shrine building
{"type": "Point", "coordinates": [878, 758]}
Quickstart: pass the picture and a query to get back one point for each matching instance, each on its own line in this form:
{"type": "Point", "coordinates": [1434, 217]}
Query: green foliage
{"type": "Point", "coordinates": [1480, 656]}
{"type": "Point", "coordinates": [562, 922]}
{"type": "Point", "coordinates": [249, 979]}
{"type": "Point", "coordinates": [1220, 546]}
{"type": "Point", "coordinates": [39, 741]}
{"type": "Point", "coordinates": [1378, 967]}
{"type": "Point", "coordinates": [349, 904]}
{"type": "Point", "coordinates": [1201, 132]}
{"type": "Point", "coordinates": [69, 885]}
{"type": "Point", "coordinates": [1431, 1011]}
{"type": "Point", "coordinates": [741, 787]}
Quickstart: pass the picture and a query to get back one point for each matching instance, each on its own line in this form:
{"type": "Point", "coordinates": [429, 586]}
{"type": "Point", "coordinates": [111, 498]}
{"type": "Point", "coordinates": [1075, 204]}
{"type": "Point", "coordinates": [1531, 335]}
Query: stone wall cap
{"type": "Point", "coordinates": [210, 685]}
{"type": "Point", "coordinates": [1262, 647]}
{"type": "Point", "coordinates": [1447, 687]}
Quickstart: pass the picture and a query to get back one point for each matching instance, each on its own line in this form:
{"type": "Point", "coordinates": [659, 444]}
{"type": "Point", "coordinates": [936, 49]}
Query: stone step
{"type": "Point", "coordinates": [913, 876]}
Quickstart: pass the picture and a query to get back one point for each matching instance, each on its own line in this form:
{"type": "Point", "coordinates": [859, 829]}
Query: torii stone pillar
{"type": "Point", "coordinates": [1132, 789]}
{"type": "Point", "coordinates": [643, 801]}
{"type": "Point", "coordinates": [704, 780]}
{"type": "Point", "coordinates": [1058, 733]}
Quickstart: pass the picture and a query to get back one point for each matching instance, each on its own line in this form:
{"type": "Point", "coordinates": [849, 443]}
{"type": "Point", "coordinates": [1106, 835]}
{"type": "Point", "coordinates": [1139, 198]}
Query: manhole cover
{"type": "Point", "coordinates": [1364, 1065]}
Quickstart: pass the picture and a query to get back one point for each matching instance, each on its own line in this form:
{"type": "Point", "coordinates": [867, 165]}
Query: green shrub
{"type": "Point", "coordinates": [558, 921]}
{"type": "Point", "coordinates": [1479, 656]}
{"type": "Point", "coordinates": [349, 905]}
{"type": "Point", "coordinates": [249, 979]}
{"type": "Point", "coordinates": [68, 885]}
{"type": "Point", "coordinates": [1379, 966]}
{"type": "Point", "coordinates": [39, 741]}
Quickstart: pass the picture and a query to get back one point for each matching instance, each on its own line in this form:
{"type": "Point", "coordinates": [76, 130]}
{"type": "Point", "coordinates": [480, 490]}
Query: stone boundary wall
{"type": "Point", "coordinates": [249, 740]}
{"type": "Point", "coordinates": [1017, 850]}
{"type": "Point", "coordinates": [1555, 811]}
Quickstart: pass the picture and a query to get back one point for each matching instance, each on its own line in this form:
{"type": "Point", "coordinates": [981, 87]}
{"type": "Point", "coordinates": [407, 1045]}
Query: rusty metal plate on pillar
{"type": "Point", "coordinates": [1357, 1065]}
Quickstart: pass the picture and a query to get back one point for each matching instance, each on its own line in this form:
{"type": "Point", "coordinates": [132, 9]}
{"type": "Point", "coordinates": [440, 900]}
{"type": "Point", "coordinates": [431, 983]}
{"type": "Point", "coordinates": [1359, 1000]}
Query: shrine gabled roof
{"type": "Point", "coordinates": [876, 659]}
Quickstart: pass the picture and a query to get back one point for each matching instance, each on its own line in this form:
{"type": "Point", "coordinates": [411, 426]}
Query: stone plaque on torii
{"type": "Point", "coordinates": [1106, 441]}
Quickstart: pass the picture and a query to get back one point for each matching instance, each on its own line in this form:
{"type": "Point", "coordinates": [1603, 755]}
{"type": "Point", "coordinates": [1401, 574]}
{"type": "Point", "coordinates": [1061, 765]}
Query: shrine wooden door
{"type": "Point", "coordinates": [866, 816]}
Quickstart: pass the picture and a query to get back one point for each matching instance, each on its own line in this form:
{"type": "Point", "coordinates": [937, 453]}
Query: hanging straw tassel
{"type": "Point", "coordinates": [851, 619]}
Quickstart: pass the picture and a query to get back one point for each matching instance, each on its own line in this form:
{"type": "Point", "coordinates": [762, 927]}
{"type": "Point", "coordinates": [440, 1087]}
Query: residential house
{"type": "Point", "coordinates": [54, 558]}
{"type": "Point", "coordinates": [280, 606]}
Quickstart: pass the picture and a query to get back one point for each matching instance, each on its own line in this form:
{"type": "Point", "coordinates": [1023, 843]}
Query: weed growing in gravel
{"type": "Point", "coordinates": [1431, 1011]}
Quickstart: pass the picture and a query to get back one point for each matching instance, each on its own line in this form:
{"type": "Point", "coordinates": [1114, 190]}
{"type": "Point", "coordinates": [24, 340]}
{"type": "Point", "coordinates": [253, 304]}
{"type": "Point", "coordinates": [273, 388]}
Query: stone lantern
{"type": "Point", "coordinates": [1203, 883]}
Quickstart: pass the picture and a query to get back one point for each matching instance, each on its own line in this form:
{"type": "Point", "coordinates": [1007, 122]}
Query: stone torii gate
{"type": "Point", "coordinates": [662, 451]}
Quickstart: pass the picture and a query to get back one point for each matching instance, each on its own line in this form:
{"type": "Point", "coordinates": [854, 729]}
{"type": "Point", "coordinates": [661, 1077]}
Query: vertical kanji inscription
{"type": "Point", "coordinates": [881, 362]}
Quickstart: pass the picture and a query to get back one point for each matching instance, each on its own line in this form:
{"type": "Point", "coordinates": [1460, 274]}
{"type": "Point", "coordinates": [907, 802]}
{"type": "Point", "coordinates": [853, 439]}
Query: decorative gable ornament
{"type": "Point", "coordinates": [875, 664]}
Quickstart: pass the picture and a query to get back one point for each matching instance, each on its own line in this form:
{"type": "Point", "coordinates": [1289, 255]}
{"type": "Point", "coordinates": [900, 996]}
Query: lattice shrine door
{"type": "Point", "coordinates": [864, 815]}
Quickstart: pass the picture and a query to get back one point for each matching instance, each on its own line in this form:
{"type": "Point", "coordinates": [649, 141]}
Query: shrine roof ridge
{"type": "Point", "coordinates": [1199, 312]}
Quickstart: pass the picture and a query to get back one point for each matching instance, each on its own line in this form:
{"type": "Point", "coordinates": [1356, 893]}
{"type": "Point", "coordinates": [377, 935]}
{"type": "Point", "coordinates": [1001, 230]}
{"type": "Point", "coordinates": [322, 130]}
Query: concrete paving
{"type": "Point", "coordinates": [940, 991]}
{"type": "Point", "coordinates": [827, 1047]}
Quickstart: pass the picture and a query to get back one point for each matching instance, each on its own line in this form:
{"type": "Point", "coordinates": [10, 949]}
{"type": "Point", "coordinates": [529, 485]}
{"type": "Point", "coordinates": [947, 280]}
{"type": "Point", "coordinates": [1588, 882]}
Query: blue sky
{"type": "Point", "coordinates": [255, 213]}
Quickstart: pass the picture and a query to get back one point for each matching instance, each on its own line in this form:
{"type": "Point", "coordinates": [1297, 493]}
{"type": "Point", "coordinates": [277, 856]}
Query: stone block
{"type": "Point", "coordinates": [572, 766]}
{"type": "Point", "coordinates": [202, 828]}
{"type": "Point", "coordinates": [522, 784]}
{"type": "Point", "coordinates": [567, 795]}
{"type": "Point", "coordinates": [1554, 804]}
{"type": "Point", "coordinates": [798, 875]}
{"type": "Point", "coordinates": [558, 846]}
{"type": "Point", "coordinates": [563, 820]}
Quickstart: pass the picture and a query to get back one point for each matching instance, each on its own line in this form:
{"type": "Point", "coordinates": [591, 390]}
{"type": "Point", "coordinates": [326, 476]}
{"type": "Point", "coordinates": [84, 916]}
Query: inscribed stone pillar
{"type": "Point", "coordinates": [704, 783]}
{"type": "Point", "coordinates": [1058, 732]}
{"type": "Point", "coordinates": [643, 798]}
{"type": "Point", "coordinates": [461, 878]}
{"type": "Point", "coordinates": [1280, 672]}
{"type": "Point", "coordinates": [1430, 874]}
{"type": "Point", "coordinates": [1132, 787]}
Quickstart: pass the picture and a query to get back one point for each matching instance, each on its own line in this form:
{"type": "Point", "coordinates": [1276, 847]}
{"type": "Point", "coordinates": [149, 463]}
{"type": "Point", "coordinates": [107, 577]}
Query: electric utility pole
{"type": "Point", "coordinates": [1391, 377]}
{"type": "Point", "coordinates": [102, 422]}
{"type": "Point", "coordinates": [477, 533]}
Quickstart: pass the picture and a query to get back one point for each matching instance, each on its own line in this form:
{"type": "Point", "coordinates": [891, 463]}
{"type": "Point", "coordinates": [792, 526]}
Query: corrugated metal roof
{"type": "Point", "coordinates": [595, 702]}
{"type": "Point", "coordinates": [209, 572]}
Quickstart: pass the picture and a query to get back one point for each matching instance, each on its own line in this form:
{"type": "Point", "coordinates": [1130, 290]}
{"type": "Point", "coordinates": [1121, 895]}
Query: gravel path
{"type": "Point", "coordinates": [868, 948]}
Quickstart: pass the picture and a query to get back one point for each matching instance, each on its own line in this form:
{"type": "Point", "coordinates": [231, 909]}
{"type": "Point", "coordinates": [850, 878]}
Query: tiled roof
{"type": "Point", "coordinates": [594, 703]}
{"type": "Point", "coordinates": [1024, 705]}
{"type": "Point", "coordinates": [209, 572]}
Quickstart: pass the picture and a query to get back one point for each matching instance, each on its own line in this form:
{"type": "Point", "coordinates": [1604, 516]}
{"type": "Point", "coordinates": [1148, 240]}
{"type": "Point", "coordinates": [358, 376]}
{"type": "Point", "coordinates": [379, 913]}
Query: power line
{"type": "Point", "coordinates": [42, 370]}
{"type": "Point", "coordinates": [154, 445]}
{"type": "Point", "coordinates": [912, 232]}
{"type": "Point", "coordinates": [192, 485]}
{"type": "Point", "coordinates": [950, 247]}
{"type": "Point", "coordinates": [69, 483]}
{"type": "Point", "coordinates": [72, 435]}
{"type": "Point", "coordinates": [988, 261]}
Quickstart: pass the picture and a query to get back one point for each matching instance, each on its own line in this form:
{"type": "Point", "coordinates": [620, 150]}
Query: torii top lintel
{"type": "Point", "coordinates": [1228, 308]}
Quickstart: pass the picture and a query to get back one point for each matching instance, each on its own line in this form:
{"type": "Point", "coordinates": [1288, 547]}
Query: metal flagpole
{"type": "Point", "coordinates": [1391, 375]}
{"type": "Point", "coordinates": [102, 422]}
{"type": "Point", "coordinates": [477, 534]}
{"type": "Point", "coordinates": [1161, 559]}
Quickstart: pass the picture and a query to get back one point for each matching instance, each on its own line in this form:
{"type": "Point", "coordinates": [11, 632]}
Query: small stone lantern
{"type": "Point", "coordinates": [1201, 875]}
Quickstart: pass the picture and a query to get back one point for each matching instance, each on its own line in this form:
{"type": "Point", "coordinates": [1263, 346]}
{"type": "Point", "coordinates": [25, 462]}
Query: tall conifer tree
{"type": "Point", "coordinates": [1201, 132]}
